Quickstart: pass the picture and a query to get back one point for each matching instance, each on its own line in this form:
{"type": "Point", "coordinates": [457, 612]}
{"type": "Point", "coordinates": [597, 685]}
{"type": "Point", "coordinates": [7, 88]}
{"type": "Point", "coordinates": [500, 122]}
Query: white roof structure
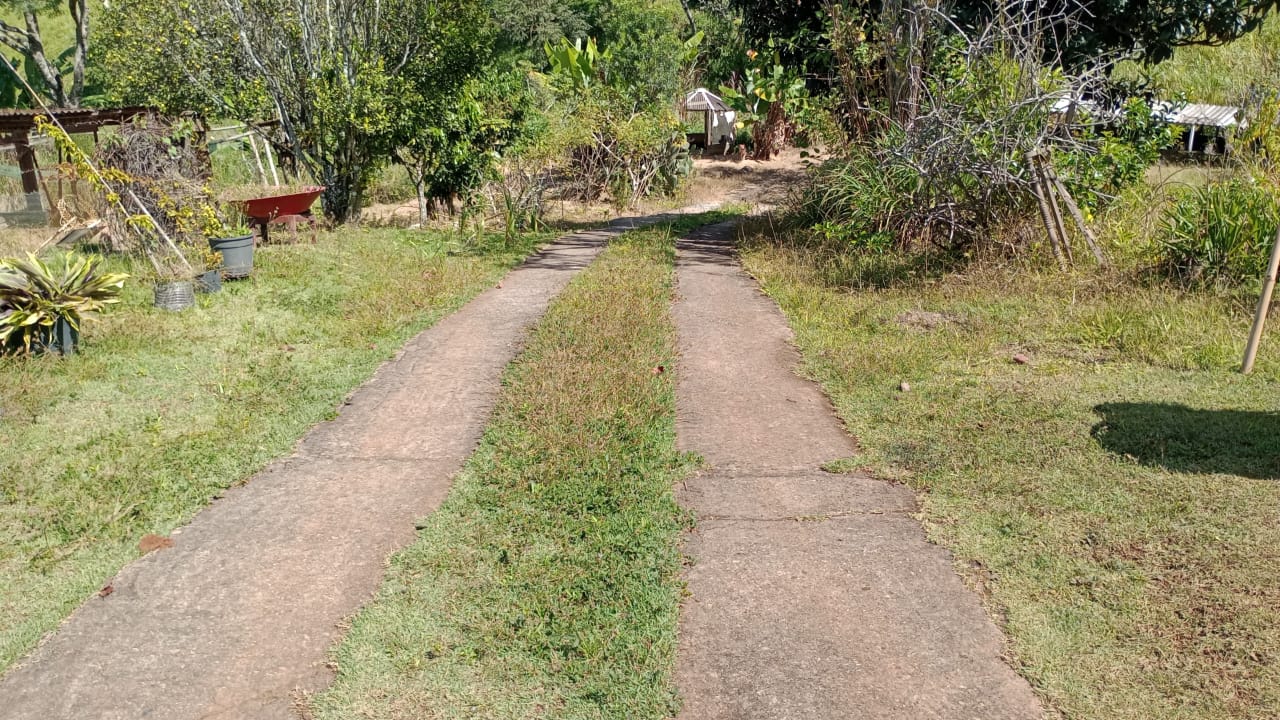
{"type": "Point", "coordinates": [703, 99]}
{"type": "Point", "coordinates": [1202, 114]}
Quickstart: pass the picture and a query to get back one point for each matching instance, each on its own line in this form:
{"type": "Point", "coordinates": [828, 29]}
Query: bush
{"type": "Point", "coordinates": [856, 201]}
{"type": "Point", "coordinates": [1220, 233]}
{"type": "Point", "coordinates": [1116, 157]}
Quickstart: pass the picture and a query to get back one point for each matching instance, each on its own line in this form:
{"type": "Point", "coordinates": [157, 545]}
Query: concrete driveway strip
{"type": "Point", "coordinates": [236, 618]}
{"type": "Point", "coordinates": [812, 595]}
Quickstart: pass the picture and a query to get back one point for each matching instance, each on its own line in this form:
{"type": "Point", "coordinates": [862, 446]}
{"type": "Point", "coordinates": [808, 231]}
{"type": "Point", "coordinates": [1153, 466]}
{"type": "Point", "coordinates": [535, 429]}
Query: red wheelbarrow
{"type": "Point", "coordinates": [264, 210]}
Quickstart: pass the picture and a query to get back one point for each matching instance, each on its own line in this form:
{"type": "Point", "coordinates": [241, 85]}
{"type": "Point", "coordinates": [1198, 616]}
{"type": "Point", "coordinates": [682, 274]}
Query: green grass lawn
{"type": "Point", "coordinates": [1116, 501]}
{"type": "Point", "coordinates": [547, 585]}
{"type": "Point", "coordinates": [162, 411]}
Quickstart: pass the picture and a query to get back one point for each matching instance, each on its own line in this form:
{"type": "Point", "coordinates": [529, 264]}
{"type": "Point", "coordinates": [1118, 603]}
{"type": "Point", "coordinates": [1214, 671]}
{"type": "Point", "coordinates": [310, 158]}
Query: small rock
{"type": "Point", "coordinates": [904, 387]}
{"type": "Point", "coordinates": [1022, 359]}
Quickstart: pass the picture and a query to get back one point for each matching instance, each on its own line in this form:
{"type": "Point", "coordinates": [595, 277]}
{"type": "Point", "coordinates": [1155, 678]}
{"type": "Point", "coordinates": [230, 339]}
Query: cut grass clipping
{"type": "Point", "coordinates": [547, 585]}
{"type": "Point", "coordinates": [1115, 499]}
{"type": "Point", "coordinates": [161, 411]}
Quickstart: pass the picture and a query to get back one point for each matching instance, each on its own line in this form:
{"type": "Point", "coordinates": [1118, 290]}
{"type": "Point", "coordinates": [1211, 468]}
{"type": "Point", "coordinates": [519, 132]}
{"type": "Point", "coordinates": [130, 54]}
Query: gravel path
{"type": "Point", "coordinates": [812, 595]}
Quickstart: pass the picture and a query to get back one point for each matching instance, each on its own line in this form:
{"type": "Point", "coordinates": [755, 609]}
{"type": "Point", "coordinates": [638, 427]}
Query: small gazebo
{"type": "Point", "coordinates": [718, 119]}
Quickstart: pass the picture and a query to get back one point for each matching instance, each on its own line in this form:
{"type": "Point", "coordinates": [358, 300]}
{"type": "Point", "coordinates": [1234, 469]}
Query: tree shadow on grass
{"type": "Point", "coordinates": [1184, 439]}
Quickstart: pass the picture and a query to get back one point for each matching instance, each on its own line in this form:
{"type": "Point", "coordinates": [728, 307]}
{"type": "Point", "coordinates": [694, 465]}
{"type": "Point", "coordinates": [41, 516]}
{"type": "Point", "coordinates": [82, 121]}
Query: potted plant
{"type": "Point", "coordinates": [43, 304]}
{"type": "Point", "coordinates": [236, 245]}
{"type": "Point", "coordinates": [210, 281]}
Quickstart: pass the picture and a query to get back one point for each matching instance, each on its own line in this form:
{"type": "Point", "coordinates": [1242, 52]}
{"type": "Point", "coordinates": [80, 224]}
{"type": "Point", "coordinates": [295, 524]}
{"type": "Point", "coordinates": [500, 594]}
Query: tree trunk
{"type": "Point", "coordinates": [29, 43]}
{"type": "Point", "coordinates": [80, 15]}
{"type": "Point", "coordinates": [337, 199]}
{"type": "Point", "coordinates": [693, 27]}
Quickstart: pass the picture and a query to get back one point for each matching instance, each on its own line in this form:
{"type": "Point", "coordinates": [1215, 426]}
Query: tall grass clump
{"type": "Point", "coordinates": [1219, 233]}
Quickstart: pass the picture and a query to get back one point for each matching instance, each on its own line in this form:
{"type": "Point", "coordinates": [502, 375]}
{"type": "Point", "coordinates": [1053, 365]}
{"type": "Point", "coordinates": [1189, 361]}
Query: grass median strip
{"type": "Point", "coordinates": [1113, 492]}
{"type": "Point", "coordinates": [161, 411]}
{"type": "Point", "coordinates": [547, 585]}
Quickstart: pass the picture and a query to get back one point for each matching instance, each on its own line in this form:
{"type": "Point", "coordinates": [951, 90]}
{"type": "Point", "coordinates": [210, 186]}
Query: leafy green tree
{"type": "Point", "coordinates": [1086, 29]}
{"type": "Point", "coordinates": [337, 76]}
{"type": "Point", "coordinates": [526, 25]}
{"type": "Point", "coordinates": [454, 147]}
{"type": "Point", "coordinates": [46, 73]}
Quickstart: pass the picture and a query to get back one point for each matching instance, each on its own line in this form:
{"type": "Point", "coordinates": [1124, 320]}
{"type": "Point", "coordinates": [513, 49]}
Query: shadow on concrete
{"type": "Point", "coordinates": [555, 258]}
{"type": "Point", "coordinates": [1185, 439]}
{"type": "Point", "coordinates": [561, 256]}
{"type": "Point", "coordinates": [710, 244]}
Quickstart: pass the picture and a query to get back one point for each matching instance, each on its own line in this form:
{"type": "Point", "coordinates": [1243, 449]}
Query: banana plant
{"type": "Point", "coordinates": [762, 86]}
{"type": "Point", "coordinates": [582, 65]}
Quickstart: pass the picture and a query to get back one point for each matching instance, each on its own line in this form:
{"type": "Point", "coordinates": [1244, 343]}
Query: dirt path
{"type": "Point", "coordinates": [236, 618]}
{"type": "Point", "coordinates": [813, 595]}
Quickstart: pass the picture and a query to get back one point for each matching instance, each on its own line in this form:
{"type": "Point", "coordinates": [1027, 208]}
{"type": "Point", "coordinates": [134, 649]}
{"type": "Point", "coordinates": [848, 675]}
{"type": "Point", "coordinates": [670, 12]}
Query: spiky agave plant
{"type": "Point", "coordinates": [35, 295]}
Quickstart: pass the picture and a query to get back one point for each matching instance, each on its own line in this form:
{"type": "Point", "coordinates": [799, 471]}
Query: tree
{"type": "Point", "coordinates": [28, 42]}
{"type": "Point", "coordinates": [1149, 30]}
{"type": "Point", "coordinates": [455, 145]}
{"type": "Point", "coordinates": [337, 75]}
{"type": "Point", "coordinates": [1108, 29]}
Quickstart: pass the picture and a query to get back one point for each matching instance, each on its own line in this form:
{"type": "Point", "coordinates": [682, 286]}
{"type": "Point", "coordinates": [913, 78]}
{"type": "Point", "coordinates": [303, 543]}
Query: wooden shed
{"type": "Point", "coordinates": [16, 128]}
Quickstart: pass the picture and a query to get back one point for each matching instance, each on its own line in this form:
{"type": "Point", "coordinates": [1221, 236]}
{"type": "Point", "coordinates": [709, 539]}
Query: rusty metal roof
{"type": "Point", "coordinates": [20, 122]}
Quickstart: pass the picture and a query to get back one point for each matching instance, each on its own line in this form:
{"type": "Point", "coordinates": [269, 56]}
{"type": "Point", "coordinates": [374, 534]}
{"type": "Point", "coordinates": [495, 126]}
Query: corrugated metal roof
{"type": "Point", "coordinates": [704, 99]}
{"type": "Point", "coordinates": [1204, 115]}
{"type": "Point", "coordinates": [1201, 114]}
{"type": "Point", "coordinates": [15, 121]}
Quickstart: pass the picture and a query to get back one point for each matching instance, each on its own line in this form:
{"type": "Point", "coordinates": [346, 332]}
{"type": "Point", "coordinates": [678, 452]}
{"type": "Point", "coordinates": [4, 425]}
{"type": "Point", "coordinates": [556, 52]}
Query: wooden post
{"type": "Point", "coordinates": [1057, 217]}
{"type": "Point", "coordinates": [1089, 237]}
{"type": "Point", "coordinates": [1046, 216]}
{"type": "Point", "coordinates": [257, 159]}
{"type": "Point", "coordinates": [30, 173]}
{"type": "Point", "coordinates": [1264, 304]}
{"type": "Point", "coordinates": [271, 162]}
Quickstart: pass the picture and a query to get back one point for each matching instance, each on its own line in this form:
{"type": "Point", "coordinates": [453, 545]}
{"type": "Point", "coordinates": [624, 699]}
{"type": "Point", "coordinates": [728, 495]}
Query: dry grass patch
{"type": "Point", "coordinates": [1117, 497]}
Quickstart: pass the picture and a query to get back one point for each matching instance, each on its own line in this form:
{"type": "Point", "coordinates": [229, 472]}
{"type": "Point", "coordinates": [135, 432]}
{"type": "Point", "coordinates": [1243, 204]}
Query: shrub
{"type": "Point", "coordinates": [35, 295]}
{"type": "Point", "coordinates": [1116, 157]}
{"type": "Point", "coordinates": [1220, 232]}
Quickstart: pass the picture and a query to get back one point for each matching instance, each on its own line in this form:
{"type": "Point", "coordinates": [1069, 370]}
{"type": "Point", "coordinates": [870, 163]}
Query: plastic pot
{"type": "Point", "coordinates": [60, 338]}
{"type": "Point", "coordinates": [176, 295]}
{"type": "Point", "coordinates": [209, 282]}
{"type": "Point", "coordinates": [237, 255]}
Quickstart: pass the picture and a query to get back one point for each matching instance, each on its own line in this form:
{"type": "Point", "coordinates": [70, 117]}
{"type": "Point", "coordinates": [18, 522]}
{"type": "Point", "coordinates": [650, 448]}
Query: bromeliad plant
{"type": "Point", "coordinates": [35, 296]}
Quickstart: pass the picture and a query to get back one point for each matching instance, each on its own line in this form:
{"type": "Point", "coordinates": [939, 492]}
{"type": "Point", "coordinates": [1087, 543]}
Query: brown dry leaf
{"type": "Point", "coordinates": [152, 542]}
{"type": "Point", "coordinates": [106, 590]}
